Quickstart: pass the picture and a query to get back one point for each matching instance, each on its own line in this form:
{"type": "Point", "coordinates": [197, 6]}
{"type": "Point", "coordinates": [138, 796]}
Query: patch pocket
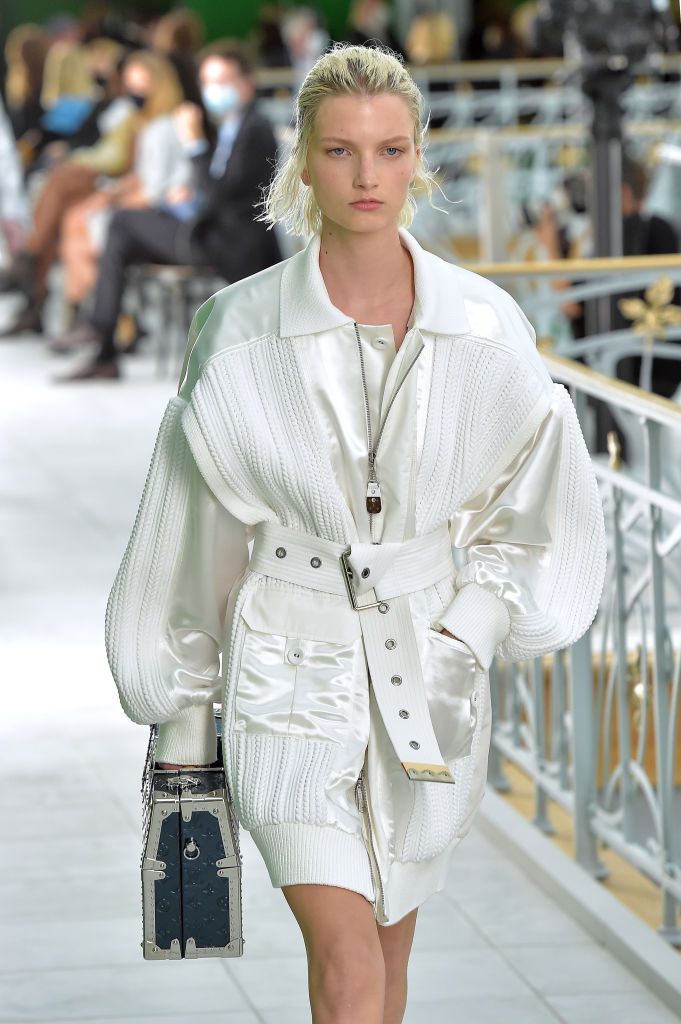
{"type": "Point", "coordinates": [299, 665]}
{"type": "Point", "coordinates": [450, 673]}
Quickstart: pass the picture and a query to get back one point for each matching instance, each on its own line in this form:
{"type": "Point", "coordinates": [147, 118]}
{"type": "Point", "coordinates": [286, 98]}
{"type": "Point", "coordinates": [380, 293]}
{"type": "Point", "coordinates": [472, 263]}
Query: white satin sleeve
{"type": "Point", "coordinates": [535, 547]}
{"type": "Point", "coordinates": [166, 609]}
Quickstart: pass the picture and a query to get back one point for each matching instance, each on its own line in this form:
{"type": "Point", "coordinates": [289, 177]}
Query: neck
{"type": "Point", "coordinates": [355, 264]}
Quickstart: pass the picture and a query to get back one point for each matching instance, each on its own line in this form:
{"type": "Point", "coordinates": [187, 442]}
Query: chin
{"type": "Point", "coordinates": [361, 223]}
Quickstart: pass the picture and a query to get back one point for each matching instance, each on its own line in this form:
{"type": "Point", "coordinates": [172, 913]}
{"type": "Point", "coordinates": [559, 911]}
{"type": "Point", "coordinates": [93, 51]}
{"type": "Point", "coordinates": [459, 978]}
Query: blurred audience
{"type": "Point", "coordinates": [123, 143]}
{"type": "Point", "coordinates": [208, 222]}
{"type": "Point", "coordinates": [160, 167]}
{"type": "Point", "coordinates": [179, 36]}
{"type": "Point", "coordinates": [78, 197]}
{"type": "Point", "coordinates": [305, 37]}
{"type": "Point", "coordinates": [369, 22]}
{"type": "Point", "coordinates": [644, 234]}
{"type": "Point", "coordinates": [270, 47]}
{"type": "Point", "coordinates": [25, 52]}
{"type": "Point", "coordinates": [431, 38]}
{"type": "Point", "coordinates": [15, 210]}
{"type": "Point", "coordinates": [491, 36]}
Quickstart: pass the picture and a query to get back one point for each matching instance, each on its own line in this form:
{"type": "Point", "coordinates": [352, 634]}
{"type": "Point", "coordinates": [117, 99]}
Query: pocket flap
{"type": "Point", "coordinates": [290, 614]}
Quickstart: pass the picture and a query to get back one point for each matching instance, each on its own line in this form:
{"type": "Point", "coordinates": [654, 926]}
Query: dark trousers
{"type": "Point", "coordinates": [136, 236]}
{"type": "Point", "coordinates": [234, 249]}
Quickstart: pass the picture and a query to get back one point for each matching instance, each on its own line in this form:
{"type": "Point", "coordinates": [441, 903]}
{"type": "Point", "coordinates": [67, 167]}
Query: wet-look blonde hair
{"type": "Point", "coordinates": [345, 69]}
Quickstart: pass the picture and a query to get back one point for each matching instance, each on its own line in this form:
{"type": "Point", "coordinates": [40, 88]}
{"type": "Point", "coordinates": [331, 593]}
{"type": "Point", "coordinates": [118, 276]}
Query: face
{"type": "Point", "coordinates": [137, 80]}
{"type": "Point", "coordinates": [361, 150]}
{"type": "Point", "coordinates": [215, 71]}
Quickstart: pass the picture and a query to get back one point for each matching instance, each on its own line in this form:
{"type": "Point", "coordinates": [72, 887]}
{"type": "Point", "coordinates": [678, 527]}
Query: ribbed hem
{"type": "Point", "coordinates": [479, 618]}
{"type": "Point", "coordinates": [189, 738]}
{"type": "Point", "coordinates": [411, 883]}
{"type": "Point", "coordinates": [296, 853]}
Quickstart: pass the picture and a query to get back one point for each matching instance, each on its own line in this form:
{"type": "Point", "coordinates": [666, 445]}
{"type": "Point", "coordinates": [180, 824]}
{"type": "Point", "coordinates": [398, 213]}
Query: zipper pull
{"type": "Point", "coordinates": [373, 495]}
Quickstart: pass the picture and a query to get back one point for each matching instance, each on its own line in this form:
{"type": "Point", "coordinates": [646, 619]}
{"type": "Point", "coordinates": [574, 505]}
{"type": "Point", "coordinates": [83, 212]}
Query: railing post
{"type": "Point", "coordinates": [664, 765]}
{"type": "Point", "coordinates": [584, 754]}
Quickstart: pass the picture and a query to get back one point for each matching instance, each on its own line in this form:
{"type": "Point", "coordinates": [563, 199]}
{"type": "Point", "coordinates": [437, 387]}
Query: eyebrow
{"type": "Point", "coordinates": [338, 138]}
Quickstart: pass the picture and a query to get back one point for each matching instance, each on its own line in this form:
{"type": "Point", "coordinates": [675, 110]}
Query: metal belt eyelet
{"type": "Point", "coordinates": [365, 573]}
{"type": "Point", "coordinates": [315, 562]}
{"type": "Point", "coordinates": [403, 713]}
{"type": "Point", "coordinates": [390, 643]}
{"type": "Point", "coordinates": [396, 680]}
{"type": "Point", "coordinates": [414, 744]}
{"type": "Point", "coordinates": [383, 607]}
{"type": "Point", "coordinates": [346, 569]}
{"type": "Point", "coordinates": [280, 552]}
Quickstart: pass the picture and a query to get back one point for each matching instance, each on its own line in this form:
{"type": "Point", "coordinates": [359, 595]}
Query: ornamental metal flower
{"type": "Point", "coordinates": [651, 317]}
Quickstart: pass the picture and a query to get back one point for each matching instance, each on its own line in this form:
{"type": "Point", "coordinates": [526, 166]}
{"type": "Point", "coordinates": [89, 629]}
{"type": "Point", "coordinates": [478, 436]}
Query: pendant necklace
{"type": "Point", "coordinates": [373, 490]}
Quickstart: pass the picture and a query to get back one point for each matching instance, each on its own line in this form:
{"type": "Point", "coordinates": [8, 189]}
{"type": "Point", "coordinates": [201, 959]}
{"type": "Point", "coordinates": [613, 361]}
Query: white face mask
{"type": "Point", "coordinates": [220, 100]}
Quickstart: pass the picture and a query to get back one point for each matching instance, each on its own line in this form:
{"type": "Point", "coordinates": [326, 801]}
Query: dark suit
{"type": "Point", "coordinates": [223, 234]}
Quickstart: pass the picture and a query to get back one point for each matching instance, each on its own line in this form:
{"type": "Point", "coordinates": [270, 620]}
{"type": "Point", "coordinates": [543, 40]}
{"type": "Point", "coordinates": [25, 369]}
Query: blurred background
{"type": "Point", "coordinates": [134, 141]}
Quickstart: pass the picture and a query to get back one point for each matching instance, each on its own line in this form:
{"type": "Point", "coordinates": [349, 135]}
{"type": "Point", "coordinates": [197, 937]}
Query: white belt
{"type": "Point", "coordinates": [376, 578]}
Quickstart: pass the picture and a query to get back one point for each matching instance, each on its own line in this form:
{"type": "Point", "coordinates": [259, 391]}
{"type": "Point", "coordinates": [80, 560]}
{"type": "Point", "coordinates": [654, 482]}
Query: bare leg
{"type": "Point", "coordinates": [396, 940]}
{"type": "Point", "coordinates": [346, 972]}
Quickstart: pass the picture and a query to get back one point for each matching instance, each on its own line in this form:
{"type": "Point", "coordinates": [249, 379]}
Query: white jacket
{"type": "Point", "coordinates": [268, 433]}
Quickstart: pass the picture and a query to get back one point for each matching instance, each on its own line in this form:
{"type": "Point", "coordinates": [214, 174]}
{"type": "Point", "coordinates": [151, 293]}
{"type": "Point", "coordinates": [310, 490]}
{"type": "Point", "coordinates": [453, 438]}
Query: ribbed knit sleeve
{"type": "Point", "coordinates": [165, 612]}
{"type": "Point", "coordinates": [535, 547]}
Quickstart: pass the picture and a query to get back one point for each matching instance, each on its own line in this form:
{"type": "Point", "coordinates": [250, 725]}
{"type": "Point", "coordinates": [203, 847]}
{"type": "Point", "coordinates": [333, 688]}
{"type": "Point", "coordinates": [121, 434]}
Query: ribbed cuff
{"type": "Point", "coordinates": [479, 618]}
{"type": "Point", "coordinates": [190, 738]}
{"type": "Point", "coordinates": [297, 853]}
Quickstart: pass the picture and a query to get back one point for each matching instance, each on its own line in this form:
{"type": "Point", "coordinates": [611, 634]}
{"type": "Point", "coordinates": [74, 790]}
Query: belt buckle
{"type": "Point", "coordinates": [347, 574]}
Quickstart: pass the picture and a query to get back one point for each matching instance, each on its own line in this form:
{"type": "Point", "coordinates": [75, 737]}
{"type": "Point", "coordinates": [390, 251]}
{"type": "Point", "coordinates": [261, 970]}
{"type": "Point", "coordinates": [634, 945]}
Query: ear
{"type": "Point", "coordinates": [305, 177]}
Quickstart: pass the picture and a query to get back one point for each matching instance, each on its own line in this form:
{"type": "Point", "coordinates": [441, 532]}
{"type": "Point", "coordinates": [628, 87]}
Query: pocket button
{"type": "Point", "coordinates": [294, 655]}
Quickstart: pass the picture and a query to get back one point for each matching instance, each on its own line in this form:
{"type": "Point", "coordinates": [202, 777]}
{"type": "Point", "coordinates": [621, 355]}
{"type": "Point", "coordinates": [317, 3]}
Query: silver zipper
{"type": "Point", "coordinates": [372, 450]}
{"type": "Point", "coordinates": [363, 807]}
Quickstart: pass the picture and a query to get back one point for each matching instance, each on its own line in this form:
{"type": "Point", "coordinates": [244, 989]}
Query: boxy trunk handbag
{"type": "Point", "coordinates": [191, 862]}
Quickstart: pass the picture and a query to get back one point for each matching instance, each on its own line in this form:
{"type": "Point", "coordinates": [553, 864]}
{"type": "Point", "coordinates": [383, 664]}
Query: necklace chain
{"type": "Point", "coordinates": [373, 492]}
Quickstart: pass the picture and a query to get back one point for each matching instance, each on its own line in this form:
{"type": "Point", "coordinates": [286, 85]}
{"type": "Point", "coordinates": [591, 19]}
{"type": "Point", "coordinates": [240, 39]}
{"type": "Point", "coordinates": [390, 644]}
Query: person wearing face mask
{"type": "Point", "coordinates": [135, 165]}
{"type": "Point", "coordinates": [209, 221]}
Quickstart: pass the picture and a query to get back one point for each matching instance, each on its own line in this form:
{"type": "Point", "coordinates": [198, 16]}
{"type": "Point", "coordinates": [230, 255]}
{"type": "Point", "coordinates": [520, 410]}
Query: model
{"type": "Point", "coordinates": [357, 412]}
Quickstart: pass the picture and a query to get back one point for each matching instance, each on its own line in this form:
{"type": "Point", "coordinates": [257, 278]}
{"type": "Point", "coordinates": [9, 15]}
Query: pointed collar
{"type": "Point", "coordinates": [305, 306]}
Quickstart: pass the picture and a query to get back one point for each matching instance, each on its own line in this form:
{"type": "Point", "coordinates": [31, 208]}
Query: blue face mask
{"type": "Point", "coordinates": [220, 100]}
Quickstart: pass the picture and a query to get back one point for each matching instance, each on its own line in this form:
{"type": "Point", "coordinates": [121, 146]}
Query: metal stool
{"type": "Point", "coordinates": [180, 289]}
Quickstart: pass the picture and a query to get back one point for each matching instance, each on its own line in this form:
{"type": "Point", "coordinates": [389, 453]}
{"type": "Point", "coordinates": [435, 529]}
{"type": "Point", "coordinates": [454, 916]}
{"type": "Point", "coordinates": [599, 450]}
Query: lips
{"type": "Point", "coordinates": [367, 204]}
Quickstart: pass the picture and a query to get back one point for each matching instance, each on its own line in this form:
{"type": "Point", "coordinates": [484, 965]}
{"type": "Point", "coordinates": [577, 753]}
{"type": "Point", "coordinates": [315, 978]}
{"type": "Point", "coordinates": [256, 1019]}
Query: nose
{"type": "Point", "coordinates": [365, 175]}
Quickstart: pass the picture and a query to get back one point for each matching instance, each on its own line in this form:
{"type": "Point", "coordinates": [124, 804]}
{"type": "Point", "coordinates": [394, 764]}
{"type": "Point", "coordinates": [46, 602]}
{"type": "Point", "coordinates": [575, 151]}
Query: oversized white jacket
{"type": "Point", "coordinates": [269, 428]}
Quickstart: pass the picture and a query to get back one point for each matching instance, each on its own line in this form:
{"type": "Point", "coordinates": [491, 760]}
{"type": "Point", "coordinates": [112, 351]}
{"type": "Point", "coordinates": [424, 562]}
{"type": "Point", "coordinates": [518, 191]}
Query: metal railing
{"type": "Point", "coordinates": [596, 726]}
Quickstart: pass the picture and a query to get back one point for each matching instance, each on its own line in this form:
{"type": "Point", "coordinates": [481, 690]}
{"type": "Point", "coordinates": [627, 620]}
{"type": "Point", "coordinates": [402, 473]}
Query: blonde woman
{"type": "Point", "coordinates": [357, 411]}
{"type": "Point", "coordinates": [160, 165]}
{"type": "Point", "coordinates": [80, 207]}
{"type": "Point", "coordinates": [25, 52]}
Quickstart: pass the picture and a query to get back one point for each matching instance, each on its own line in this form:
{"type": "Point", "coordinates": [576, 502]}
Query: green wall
{"type": "Point", "coordinates": [221, 17]}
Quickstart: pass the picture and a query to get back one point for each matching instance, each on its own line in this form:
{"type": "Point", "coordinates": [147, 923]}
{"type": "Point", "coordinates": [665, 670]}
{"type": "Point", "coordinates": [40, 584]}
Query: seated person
{"type": "Point", "coordinates": [213, 222]}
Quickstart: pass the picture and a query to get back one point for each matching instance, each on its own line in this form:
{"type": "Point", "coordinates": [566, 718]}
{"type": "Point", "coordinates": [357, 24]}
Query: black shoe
{"type": "Point", "coordinates": [94, 370]}
{"type": "Point", "coordinates": [20, 275]}
{"type": "Point", "coordinates": [9, 281]}
{"type": "Point", "coordinates": [28, 321]}
{"type": "Point", "coordinates": [79, 336]}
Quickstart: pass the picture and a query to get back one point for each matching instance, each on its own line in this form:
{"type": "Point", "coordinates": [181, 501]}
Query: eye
{"type": "Point", "coordinates": [336, 149]}
{"type": "Point", "coordinates": [395, 148]}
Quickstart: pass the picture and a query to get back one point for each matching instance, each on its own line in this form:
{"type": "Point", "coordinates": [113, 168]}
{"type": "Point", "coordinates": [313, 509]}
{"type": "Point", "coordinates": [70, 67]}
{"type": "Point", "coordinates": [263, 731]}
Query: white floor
{"type": "Point", "coordinates": [491, 949]}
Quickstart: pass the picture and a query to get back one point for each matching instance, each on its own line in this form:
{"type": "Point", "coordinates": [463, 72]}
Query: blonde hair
{"type": "Point", "coordinates": [345, 69]}
{"type": "Point", "coordinates": [25, 51]}
{"type": "Point", "coordinates": [166, 92]}
{"type": "Point", "coordinates": [66, 73]}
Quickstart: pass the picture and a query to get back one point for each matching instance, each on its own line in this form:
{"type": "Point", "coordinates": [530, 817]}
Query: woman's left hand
{"type": "Point", "coordinates": [447, 633]}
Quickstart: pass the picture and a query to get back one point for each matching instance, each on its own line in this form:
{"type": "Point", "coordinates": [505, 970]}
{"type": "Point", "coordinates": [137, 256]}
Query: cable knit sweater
{"type": "Point", "coordinates": [268, 424]}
